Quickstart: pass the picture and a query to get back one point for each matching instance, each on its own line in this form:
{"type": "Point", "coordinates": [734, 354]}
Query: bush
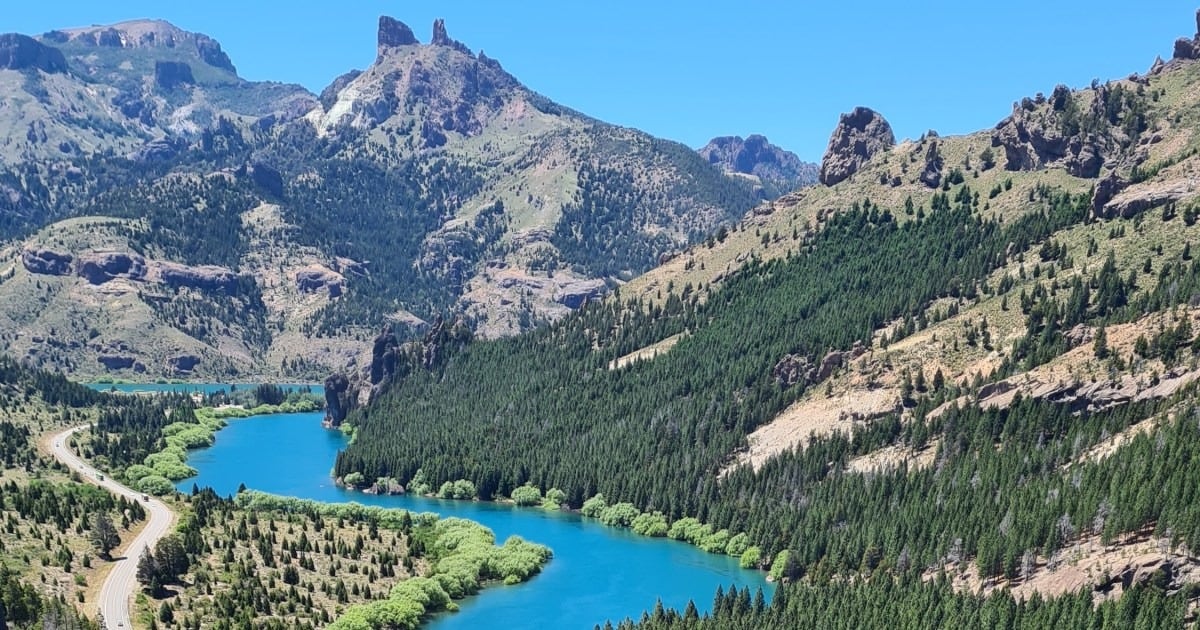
{"type": "Point", "coordinates": [355, 480]}
{"type": "Point", "coordinates": [715, 542]}
{"type": "Point", "coordinates": [619, 515]}
{"type": "Point", "coordinates": [689, 530]}
{"type": "Point", "coordinates": [461, 489]}
{"type": "Point", "coordinates": [750, 557]}
{"type": "Point", "coordinates": [779, 565]}
{"type": "Point", "coordinates": [653, 525]}
{"type": "Point", "coordinates": [594, 506]}
{"type": "Point", "coordinates": [554, 500]}
{"type": "Point", "coordinates": [419, 484]}
{"type": "Point", "coordinates": [737, 545]}
{"type": "Point", "coordinates": [527, 495]}
{"type": "Point", "coordinates": [155, 484]}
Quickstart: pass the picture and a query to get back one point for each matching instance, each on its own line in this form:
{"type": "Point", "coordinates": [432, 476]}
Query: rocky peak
{"type": "Point", "coordinates": [393, 33]}
{"type": "Point", "coordinates": [1189, 48]}
{"type": "Point", "coordinates": [755, 155]}
{"type": "Point", "coordinates": [440, 38]}
{"type": "Point", "coordinates": [18, 52]}
{"type": "Point", "coordinates": [859, 136]}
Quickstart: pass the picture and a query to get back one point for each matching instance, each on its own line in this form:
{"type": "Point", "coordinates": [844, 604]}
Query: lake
{"type": "Point", "coordinates": [598, 573]}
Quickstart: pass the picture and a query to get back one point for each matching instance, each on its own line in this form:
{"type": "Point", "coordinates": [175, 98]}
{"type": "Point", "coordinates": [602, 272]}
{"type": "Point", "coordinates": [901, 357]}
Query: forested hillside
{"type": "Point", "coordinates": [966, 365]}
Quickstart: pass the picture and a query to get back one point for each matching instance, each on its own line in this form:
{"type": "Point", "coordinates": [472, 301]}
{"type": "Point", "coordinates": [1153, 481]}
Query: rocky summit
{"type": "Point", "coordinates": [777, 170]}
{"type": "Point", "coordinates": [859, 135]}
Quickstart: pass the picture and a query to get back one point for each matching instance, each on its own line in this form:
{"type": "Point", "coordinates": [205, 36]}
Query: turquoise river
{"type": "Point", "coordinates": [598, 573]}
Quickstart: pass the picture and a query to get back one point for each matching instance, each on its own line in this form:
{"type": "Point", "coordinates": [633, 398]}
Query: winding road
{"type": "Point", "coordinates": [119, 587]}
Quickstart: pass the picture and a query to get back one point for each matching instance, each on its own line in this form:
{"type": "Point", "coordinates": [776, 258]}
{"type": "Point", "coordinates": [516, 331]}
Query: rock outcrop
{"type": "Point", "coordinates": [793, 368]}
{"type": "Point", "coordinates": [210, 52]}
{"type": "Point", "coordinates": [393, 33]}
{"type": "Point", "coordinates": [315, 278]}
{"type": "Point", "coordinates": [931, 174]}
{"type": "Point", "coordinates": [330, 93]}
{"type": "Point", "coordinates": [47, 261]}
{"type": "Point", "coordinates": [101, 267]}
{"type": "Point", "coordinates": [160, 150]}
{"type": "Point", "coordinates": [204, 277]}
{"type": "Point", "coordinates": [574, 295]}
{"type": "Point", "coordinates": [169, 75]}
{"type": "Point", "coordinates": [20, 52]}
{"type": "Point", "coordinates": [441, 38]}
{"type": "Point", "coordinates": [265, 177]}
{"type": "Point", "coordinates": [1058, 131]}
{"type": "Point", "coordinates": [183, 363]}
{"type": "Point", "coordinates": [339, 399]}
{"type": "Point", "coordinates": [859, 136]}
{"type": "Point", "coordinates": [1189, 49]}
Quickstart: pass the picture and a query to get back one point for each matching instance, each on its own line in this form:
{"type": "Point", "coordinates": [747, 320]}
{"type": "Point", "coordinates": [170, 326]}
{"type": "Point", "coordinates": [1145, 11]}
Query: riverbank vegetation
{"type": "Point", "coordinates": [146, 441]}
{"type": "Point", "coordinates": [264, 561]}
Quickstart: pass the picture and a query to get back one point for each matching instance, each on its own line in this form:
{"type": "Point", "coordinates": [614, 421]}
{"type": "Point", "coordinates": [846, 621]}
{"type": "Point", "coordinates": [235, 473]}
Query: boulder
{"type": "Point", "coordinates": [101, 267]}
{"type": "Point", "coordinates": [859, 136]}
{"type": "Point", "coordinates": [169, 75]}
{"type": "Point", "coordinates": [20, 52]}
{"type": "Point", "coordinates": [315, 278]}
{"type": "Point", "coordinates": [47, 261]}
{"type": "Point", "coordinates": [1106, 189]}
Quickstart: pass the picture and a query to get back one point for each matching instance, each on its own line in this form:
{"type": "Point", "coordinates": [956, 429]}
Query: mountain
{"type": "Point", "coordinates": [961, 366]}
{"type": "Point", "coordinates": [777, 171]}
{"type": "Point", "coordinates": [87, 91]}
{"type": "Point", "coordinates": [171, 219]}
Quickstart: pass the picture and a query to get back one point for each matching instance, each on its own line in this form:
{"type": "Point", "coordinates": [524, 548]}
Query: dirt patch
{"type": "Point", "coordinates": [647, 353]}
{"type": "Point", "coordinates": [892, 457]}
{"type": "Point", "coordinates": [815, 417]}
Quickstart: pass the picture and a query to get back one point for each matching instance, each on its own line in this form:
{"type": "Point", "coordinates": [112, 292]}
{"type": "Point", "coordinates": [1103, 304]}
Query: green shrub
{"type": "Point", "coordinates": [653, 525]}
{"type": "Point", "coordinates": [155, 484]}
{"type": "Point", "coordinates": [750, 557]}
{"type": "Point", "coordinates": [619, 515]}
{"type": "Point", "coordinates": [594, 506]}
{"type": "Point", "coordinates": [527, 494]}
{"type": "Point", "coordinates": [554, 500]}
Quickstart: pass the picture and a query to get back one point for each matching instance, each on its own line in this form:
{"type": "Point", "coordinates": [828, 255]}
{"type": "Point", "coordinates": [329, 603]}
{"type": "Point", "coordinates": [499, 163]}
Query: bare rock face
{"type": "Point", "coordinates": [1189, 48]}
{"type": "Point", "coordinates": [47, 261]}
{"type": "Point", "coordinates": [330, 93]}
{"type": "Point", "coordinates": [101, 267]}
{"type": "Point", "coordinates": [20, 52]}
{"type": "Point", "coordinates": [441, 38]}
{"type": "Point", "coordinates": [393, 33]}
{"type": "Point", "coordinates": [169, 75]}
{"type": "Point", "coordinates": [113, 362]}
{"type": "Point", "coordinates": [931, 175]}
{"type": "Point", "coordinates": [575, 294]}
{"type": "Point", "coordinates": [210, 51]}
{"type": "Point", "coordinates": [315, 278]}
{"type": "Point", "coordinates": [755, 155]}
{"type": "Point", "coordinates": [183, 363]}
{"type": "Point", "coordinates": [205, 277]}
{"type": "Point", "coordinates": [1042, 133]}
{"type": "Point", "coordinates": [339, 400]}
{"type": "Point", "coordinates": [860, 135]}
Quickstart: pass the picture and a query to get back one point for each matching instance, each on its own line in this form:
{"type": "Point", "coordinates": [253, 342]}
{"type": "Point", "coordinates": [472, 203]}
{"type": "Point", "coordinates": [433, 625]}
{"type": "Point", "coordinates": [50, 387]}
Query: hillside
{"type": "Point", "coordinates": [967, 360]}
{"type": "Point", "coordinates": [432, 184]}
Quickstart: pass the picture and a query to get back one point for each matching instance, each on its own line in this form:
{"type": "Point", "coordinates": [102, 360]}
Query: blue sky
{"type": "Point", "coordinates": [692, 70]}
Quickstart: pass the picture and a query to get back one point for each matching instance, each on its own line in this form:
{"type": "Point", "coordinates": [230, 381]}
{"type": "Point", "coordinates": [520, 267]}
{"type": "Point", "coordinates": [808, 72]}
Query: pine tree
{"type": "Point", "coordinates": [104, 534]}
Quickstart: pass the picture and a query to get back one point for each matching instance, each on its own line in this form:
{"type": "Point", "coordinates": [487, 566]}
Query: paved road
{"type": "Point", "coordinates": [119, 587]}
